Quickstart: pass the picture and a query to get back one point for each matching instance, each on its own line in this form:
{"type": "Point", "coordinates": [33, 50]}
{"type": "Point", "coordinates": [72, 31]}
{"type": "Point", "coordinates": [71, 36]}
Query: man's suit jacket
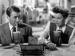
{"type": "Point", "coordinates": [5, 34]}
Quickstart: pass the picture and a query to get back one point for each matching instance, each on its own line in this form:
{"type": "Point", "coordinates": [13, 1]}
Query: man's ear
{"type": "Point", "coordinates": [8, 17]}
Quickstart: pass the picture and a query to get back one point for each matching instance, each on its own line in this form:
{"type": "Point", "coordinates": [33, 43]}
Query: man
{"type": "Point", "coordinates": [20, 34]}
{"type": "Point", "coordinates": [58, 31]}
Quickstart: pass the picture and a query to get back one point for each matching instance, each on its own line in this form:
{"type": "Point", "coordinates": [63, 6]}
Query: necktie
{"type": "Point", "coordinates": [14, 29]}
{"type": "Point", "coordinates": [12, 35]}
{"type": "Point", "coordinates": [15, 35]}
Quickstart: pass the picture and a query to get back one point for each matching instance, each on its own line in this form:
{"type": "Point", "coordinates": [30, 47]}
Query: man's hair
{"type": "Point", "coordinates": [12, 8]}
{"type": "Point", "coordinates": [63, 12]}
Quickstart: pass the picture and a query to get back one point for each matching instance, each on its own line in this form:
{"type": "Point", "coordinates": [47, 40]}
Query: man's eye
{"type": "Point", "coordinates": [15, 16]}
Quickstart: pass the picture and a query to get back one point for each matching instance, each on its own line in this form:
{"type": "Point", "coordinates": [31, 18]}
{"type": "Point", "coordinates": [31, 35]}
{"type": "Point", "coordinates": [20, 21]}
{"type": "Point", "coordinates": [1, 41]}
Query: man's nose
{"type": "Point", "coordinates": [17, 19]}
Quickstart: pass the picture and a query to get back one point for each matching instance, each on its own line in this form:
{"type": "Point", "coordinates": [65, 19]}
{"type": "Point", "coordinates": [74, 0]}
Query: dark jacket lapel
{"type": "Point", "coordinates": [67, 33]}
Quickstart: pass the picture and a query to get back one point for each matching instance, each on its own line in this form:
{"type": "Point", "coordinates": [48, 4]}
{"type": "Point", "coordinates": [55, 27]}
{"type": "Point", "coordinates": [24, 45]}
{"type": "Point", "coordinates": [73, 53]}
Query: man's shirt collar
{"type": "Point", "coordinates": [10, 26]}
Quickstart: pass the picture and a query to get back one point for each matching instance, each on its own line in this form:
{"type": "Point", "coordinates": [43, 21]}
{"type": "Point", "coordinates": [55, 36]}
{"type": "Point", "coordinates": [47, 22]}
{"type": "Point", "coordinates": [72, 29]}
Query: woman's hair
{"type": "Point", "coordinates": [12, 8]}
{"type": "Point", "coordinates": [63, 12]}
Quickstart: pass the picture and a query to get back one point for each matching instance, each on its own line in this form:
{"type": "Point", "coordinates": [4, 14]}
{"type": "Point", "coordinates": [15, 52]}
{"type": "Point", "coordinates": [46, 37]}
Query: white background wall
{"type": "Point", "coordinates": [4, 4]}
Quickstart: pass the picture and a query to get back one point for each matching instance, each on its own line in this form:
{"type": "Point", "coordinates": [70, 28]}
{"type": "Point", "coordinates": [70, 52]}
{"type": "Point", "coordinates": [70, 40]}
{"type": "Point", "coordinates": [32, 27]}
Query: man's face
{"type": "Point", "coordinates": [57, 20]}
{"type": "Point", "coordinates": [13, 18]}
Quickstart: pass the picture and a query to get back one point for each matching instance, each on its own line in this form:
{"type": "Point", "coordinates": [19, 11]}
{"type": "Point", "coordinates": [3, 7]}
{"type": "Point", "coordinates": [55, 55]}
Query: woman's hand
{"type": "Point", "coordinates": [41, 40]}
{"type": "Point", "coordinates": [51, 46]}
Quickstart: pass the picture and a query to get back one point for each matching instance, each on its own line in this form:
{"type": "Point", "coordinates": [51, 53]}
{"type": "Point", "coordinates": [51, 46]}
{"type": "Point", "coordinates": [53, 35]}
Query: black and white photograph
{"type": "Point", "coordinates": [37, 27]}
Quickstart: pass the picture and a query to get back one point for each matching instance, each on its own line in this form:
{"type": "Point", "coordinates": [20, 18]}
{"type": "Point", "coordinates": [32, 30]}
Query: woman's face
{"type": "Point", "coordinates": [57, 19]}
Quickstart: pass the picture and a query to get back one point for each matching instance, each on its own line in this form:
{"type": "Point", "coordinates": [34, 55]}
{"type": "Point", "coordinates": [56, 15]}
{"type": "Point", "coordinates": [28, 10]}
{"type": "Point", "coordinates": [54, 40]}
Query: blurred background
{"type": "Point", "coordinates": [37, 11]}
